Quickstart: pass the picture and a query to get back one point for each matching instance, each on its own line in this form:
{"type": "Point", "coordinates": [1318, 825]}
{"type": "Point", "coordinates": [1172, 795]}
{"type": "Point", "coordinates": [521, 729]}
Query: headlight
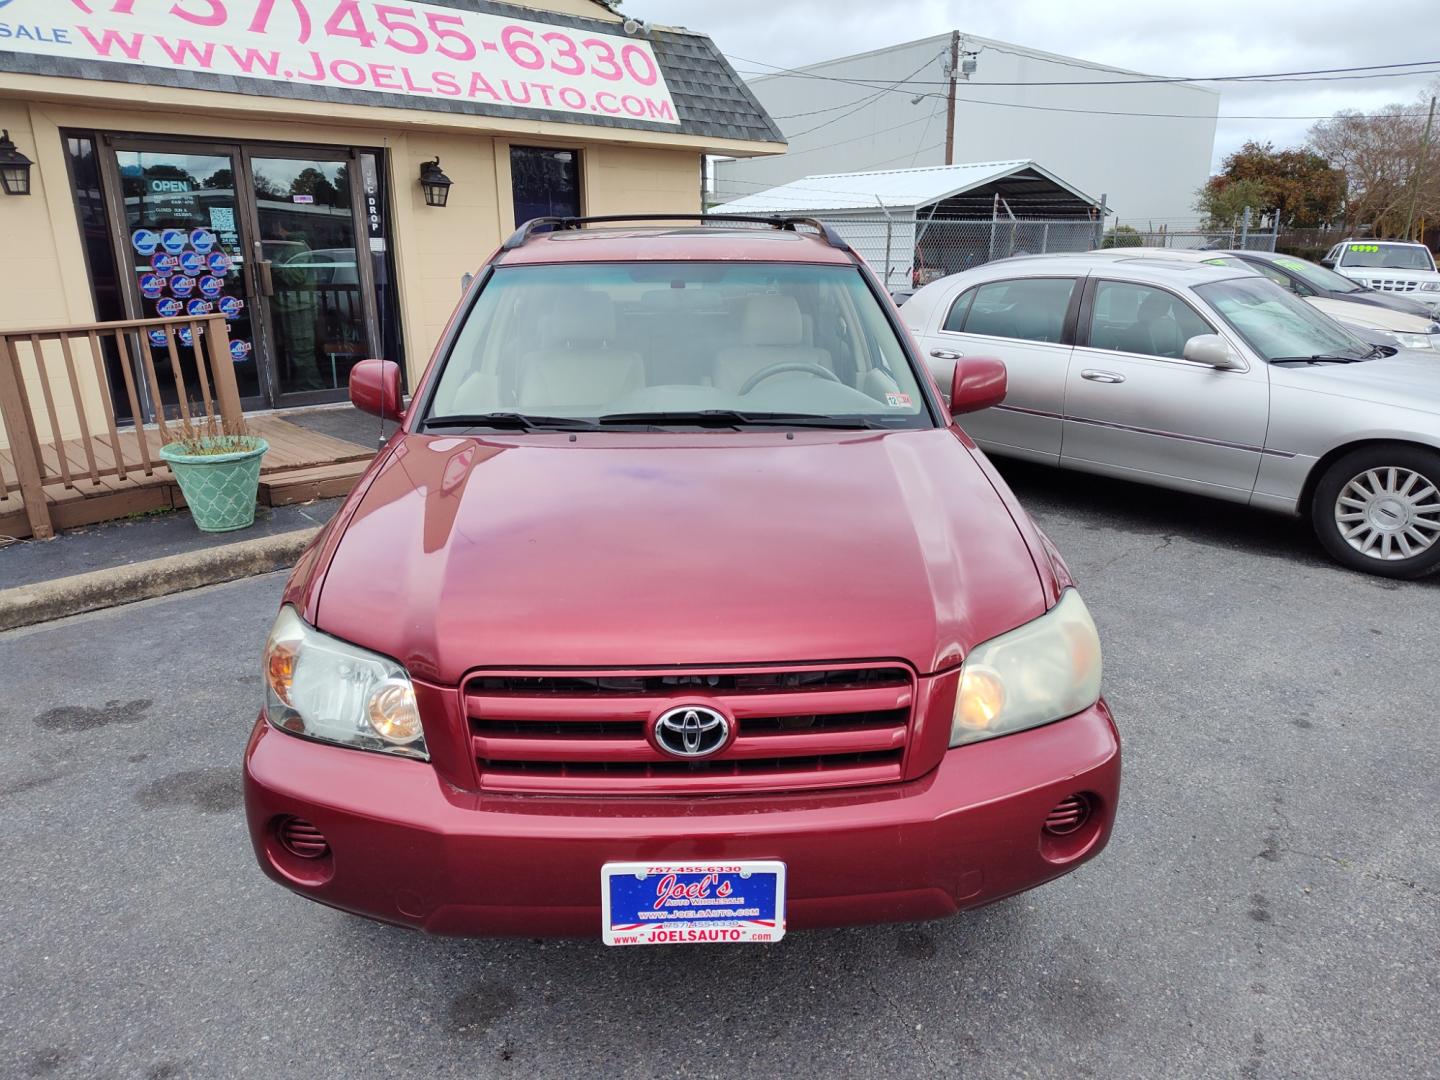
{"type": "Point", "coordinates": [1414, 341]}
{"type": "Point", "coordinates": [1046, 670]}
{"type": "Point", "coordinates": [325, 688]}
{"type": "Point", "coordinates": [1430, 286]}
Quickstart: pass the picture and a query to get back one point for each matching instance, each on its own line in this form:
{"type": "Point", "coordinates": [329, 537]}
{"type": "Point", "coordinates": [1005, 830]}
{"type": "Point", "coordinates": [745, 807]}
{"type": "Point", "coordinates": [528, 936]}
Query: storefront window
{"type": "Point", "coordinates": [183, 233]}
{"type": "Point", "coordinates": [546, 182]}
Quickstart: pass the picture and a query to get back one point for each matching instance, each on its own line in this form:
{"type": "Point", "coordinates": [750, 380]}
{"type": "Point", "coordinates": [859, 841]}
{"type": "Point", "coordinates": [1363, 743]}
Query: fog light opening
{"type": "Point", "coordinates": [1068, 816]}
{"type": "Point", "coordinates": [301, 839]}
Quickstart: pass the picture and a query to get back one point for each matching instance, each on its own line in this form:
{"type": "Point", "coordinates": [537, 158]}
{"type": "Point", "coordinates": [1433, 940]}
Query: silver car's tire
{"type": "Point", "coordinates": [1377, 509]}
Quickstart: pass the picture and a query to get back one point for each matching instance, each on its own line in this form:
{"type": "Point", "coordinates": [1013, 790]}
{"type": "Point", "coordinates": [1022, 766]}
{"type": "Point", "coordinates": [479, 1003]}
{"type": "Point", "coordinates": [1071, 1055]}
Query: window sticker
{"type": "Point", "coordinates": [157, 338]}
{"type": "Point", "coordinates": [192, 263]}
{"type": "Point", "coordinates": [231, 306]}
{"type": "Point", "coordinates": [211, 287]}
{"type": "Point", "coordinates": [1364, 247]}
{"type": "Point", "coordinates": [239, 351]}
{"type": "Point", "coordinates": [898, 401]}
{"type": "Point", "coordinates": [186, 336]}
{"type": "Point", "coordinates": [165, 265]}
{"type": "Point", "coordinates": [169, 307]}
{"type": "Point", "coordinates": [220, 263]}
{"type": "Point", "coordinates": [203, 241]}
{"type": "Point", "coordinates": [174, 240]}
{"type": "Point", "coordinates": [151, 286]}
{"type": "Point", "coordinates": [182, 286]}
{"type": "Point", "coordinates": [199, 307]}
{"type": "Point", "coordinates": [144, 241]}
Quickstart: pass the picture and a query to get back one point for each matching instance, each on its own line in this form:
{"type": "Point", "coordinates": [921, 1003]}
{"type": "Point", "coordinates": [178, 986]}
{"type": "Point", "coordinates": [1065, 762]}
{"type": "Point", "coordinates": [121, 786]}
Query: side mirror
{"type": "Point", "coordinates": [375, 389]}
{"type": "Point", "coordinates": [978, 383]}
{"type": "Point", "coordinates": [1211, 350]}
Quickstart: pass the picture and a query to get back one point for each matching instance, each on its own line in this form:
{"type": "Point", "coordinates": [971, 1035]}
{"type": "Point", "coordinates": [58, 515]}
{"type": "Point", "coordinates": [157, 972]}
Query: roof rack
{"type": "Point", "coordinates": [786, 224]}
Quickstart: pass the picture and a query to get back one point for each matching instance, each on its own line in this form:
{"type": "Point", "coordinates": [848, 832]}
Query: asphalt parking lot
{"type": "Point", "coordinates": [1269, 906]}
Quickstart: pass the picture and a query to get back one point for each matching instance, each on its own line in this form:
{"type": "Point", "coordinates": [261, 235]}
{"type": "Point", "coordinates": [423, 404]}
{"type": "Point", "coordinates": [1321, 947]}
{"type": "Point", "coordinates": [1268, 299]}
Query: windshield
{"type": "Point", "coordinates": [1276, 324]}
{"type": "Point", "coordinates": [654, 342]}
{"type": "Point", "coordinates": [1318, 277]}
{"type": "Point", "coordinates": [1390, 256]}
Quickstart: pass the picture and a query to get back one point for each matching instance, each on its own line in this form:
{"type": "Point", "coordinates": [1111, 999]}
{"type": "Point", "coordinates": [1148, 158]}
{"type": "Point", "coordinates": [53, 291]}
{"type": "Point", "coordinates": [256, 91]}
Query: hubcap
{"type": "Point", "coordinates": [1389, 514]}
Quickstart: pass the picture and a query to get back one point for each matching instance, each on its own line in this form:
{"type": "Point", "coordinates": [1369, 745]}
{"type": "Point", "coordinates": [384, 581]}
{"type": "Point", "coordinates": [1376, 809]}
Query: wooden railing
{"type": "Point", "coordinates": [57, 410]}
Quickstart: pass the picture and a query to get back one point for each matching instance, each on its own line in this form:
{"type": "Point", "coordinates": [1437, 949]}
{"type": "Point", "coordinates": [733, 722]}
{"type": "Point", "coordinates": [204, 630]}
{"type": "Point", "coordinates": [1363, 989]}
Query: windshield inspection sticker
{"type": "Point", "coordinates": [692, 903]}
{"type": "Point", "coordinates": [898, 401]}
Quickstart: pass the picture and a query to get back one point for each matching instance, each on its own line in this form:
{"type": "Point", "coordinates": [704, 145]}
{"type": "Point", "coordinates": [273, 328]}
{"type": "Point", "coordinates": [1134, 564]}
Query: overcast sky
{"type": "Point", "coordinates": [1158, 37]}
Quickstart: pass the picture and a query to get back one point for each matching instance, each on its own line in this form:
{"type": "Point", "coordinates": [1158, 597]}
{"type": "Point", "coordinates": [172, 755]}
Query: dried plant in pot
{"type": "Point", "coordinates": [218, 469]}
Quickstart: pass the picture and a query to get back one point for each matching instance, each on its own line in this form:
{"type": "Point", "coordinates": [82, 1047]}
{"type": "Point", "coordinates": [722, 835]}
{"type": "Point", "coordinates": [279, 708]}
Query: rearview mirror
{"type": "Point", "coordinates": [978, 383]}
{"type": "Point", "coordinates": [375, 389]}
{"type": "Point", "coordinates": [1211, 350]}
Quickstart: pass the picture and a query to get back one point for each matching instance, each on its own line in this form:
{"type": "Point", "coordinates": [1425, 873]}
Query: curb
{"type": "Point", "coordinates": [75, 595]}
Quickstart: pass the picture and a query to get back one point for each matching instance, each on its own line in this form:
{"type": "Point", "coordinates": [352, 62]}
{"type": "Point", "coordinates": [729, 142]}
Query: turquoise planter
{"type": "Point", "coordinates": [219, 488]}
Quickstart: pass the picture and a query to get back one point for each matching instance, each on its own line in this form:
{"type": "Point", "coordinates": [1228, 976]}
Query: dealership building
{"type": "Point", "coordinates": [322, 173]}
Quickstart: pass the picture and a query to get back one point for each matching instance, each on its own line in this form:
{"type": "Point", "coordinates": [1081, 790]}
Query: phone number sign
{"type": "Point", "coordinates": [412, 49]}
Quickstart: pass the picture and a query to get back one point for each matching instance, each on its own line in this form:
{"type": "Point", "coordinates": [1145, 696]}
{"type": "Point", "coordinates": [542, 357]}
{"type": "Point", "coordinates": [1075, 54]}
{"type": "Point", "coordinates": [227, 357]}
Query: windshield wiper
{"type": "Point", "coordinates": [511, 421]}
{"type": "Point", "coordinates": [736, 418]}
{"type": "Point", "coordinates": [1319, 358]}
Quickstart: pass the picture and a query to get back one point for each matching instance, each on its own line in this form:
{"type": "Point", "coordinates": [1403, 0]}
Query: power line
{"type": "Point", "coordinates": [1312, 75]}
{"type": "Point", "coordinates": [866, 102]}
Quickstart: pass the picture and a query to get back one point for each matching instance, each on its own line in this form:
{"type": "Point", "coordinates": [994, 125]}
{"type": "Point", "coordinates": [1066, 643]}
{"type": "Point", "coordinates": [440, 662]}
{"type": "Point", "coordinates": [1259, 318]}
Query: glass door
{"type": "Point", "coordinates": [184, 253]}
{"type": "Point", "coordinates": [316, 291]}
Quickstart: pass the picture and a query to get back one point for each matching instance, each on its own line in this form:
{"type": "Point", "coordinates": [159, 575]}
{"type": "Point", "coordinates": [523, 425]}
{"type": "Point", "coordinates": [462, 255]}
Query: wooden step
{"type": "Point", "coordinates": [306, 485]}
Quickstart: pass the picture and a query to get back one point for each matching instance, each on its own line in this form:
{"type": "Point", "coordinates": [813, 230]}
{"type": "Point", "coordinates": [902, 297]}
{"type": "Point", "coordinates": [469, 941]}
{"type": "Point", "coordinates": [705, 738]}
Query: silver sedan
{"type": "Point", "coordinates": [1204, 379]}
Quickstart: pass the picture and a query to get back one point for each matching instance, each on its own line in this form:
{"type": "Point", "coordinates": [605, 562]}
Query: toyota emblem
{"type": "Point", "coordinates": [691, 731]}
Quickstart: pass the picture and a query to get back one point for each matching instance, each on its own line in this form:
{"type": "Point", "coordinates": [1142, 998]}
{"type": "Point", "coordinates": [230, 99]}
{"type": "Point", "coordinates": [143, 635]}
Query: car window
{"type": "Point", "coordinates": [590, 340]}
{"type": "Point", "coordinates": [955, 321]}
{"type": "Point", "coordinates": [1277, 325]}
{"type": "Point", "coordinates": [1141, 319]}
{"type": "Point", "coordinates": [1278, 277]}
{"type": "Point", "coordinates": [1318, 277]}
{"type": "Point", "coordinates": [1031, 309]}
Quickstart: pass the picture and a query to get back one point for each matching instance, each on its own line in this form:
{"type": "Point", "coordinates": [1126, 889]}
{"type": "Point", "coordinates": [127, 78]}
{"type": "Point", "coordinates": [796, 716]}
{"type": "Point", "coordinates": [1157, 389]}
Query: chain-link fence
{"type": "Point", "coordinates": [910, 250]}
{"type": "Point", "coordinates": [1190, 237]}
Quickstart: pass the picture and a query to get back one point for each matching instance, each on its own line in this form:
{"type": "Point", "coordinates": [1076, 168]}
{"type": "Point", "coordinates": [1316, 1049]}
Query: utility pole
{"type": "Point", "coordinates": [950, 98]}
{"type": "Point", "coordinates": [1414, 176]}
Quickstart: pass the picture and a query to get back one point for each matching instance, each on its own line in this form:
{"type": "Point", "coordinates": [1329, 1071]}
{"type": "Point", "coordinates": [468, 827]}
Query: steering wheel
{"type": "Point", "coordinates": [784, 367]}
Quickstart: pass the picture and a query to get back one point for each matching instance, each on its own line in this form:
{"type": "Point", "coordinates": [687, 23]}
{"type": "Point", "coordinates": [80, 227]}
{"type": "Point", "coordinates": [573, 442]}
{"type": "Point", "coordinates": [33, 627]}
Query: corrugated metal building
{"type": "Point", "coordinates": [886, 110]}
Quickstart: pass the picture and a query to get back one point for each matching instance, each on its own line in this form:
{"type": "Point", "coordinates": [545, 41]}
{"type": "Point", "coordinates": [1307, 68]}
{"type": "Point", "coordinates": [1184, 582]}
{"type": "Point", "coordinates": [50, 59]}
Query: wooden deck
{"type": "Point", "coordinates": [301, 465]}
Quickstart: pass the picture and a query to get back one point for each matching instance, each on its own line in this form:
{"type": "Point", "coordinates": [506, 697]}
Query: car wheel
{"type": "Point", "coordinates": [1377, 509]}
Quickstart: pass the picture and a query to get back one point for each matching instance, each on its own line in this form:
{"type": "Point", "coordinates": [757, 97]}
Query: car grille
{"type": "Point", "coordinates": [582, 733]}
{"type": "Point", "coordinates": [1393, 285]}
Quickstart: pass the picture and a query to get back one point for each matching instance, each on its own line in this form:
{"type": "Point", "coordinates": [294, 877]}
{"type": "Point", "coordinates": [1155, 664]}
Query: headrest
{"type": "Point", "coordinates": [771, 319]}
{"type": "Point", "coordinates": [585, 318]}
{"type": "Point", "coordinates": [1155, 306]}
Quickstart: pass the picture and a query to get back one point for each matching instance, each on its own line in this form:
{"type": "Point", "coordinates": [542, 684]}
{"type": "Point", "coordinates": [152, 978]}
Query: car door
{"type": "Point", "coordinates": [1027, 323]}
{"type": "Point", "coordinates": [1135, 407]}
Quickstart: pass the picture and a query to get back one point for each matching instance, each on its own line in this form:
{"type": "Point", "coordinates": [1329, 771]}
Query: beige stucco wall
{"type": "Point", "coordinates": [43, 277]}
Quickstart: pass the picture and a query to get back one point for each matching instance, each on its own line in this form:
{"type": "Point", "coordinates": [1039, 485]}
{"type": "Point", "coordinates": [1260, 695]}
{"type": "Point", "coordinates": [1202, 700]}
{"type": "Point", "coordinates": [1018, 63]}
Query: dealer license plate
{"type": "Point", "coordinates": [692, 903]}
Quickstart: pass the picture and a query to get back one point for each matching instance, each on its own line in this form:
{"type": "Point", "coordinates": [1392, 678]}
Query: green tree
{"type": "Point", "coordinates": [1223, 201]}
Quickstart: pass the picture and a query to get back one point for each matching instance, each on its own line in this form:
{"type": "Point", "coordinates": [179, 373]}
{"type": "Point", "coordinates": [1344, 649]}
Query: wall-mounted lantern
{"type": "Point", "coordinates": [14, 168]}
{"type": "Point", "coordinates": [434, 183]}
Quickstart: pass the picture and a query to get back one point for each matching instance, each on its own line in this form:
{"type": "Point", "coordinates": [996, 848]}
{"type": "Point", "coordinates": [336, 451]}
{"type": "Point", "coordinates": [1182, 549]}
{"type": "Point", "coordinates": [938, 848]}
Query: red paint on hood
{"type": "Point", "coordinates": [654, 549]}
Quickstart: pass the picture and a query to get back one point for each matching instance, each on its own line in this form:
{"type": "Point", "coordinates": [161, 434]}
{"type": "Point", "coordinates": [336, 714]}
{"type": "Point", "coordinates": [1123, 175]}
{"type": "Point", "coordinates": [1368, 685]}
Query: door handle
{"type": "Point", "coordinates": [266, 278]}
{"type": "Point", "coordinates": [941, 354]}
{"type": "Point", "coordinates": [1102, 376]}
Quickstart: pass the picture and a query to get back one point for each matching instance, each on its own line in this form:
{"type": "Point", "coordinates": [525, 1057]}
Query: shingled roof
{"type": "Point", "coordinates": [710, 98]}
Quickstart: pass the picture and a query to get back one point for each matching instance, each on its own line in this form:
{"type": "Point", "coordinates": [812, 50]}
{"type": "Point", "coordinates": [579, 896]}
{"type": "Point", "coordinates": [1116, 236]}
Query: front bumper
{"type": "Point", "coordinates": [407, 847]}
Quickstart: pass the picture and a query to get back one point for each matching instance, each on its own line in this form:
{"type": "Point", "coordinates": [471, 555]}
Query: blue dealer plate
{"type": "Point", "coordinates": [692, 903]}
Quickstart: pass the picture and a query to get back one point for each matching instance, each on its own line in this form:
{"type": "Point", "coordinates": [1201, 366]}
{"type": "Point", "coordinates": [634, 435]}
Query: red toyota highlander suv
{"type": "Point", "coordinates": [678, 610]}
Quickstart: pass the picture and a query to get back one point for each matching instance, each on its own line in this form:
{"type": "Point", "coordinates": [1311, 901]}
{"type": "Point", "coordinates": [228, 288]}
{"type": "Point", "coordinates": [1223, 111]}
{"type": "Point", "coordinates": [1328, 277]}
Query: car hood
{"type": "Point", "coordinates": [1386, 273]}
{"type": "Point", "coordinates": [1409, 379]}
{"type": "Point", "coordinates": [1374, 316]}
{"type": "Point", "coordinates": [659, 549]}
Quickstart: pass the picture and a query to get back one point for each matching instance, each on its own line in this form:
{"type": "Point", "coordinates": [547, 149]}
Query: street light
{"type": "Point", "coordinates": [14, 167]}
{"type": "Point", "coordinates": [434, 183]}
